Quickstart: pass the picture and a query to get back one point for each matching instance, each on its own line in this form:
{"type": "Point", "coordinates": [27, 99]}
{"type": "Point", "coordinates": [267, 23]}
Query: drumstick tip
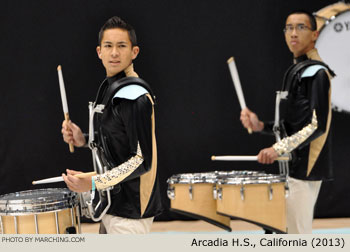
{"type": "Point", "coordinates": [59, 68]}
{"type": "Point", "coordinates": [230, 60]}
{"type": "Point", "coordinates": [213, 158]}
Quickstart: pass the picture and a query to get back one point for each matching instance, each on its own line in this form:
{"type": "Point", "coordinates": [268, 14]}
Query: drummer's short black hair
{"type": "Point", "coordinates": [311, 17]}
{"type": "Point", "coordinates": [117, 22]}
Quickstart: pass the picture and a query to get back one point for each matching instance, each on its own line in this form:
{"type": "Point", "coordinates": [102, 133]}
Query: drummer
{"type": "Point", "coordinates": [307, 118]}
{"type": "Point", "coordinates": [131, 148]}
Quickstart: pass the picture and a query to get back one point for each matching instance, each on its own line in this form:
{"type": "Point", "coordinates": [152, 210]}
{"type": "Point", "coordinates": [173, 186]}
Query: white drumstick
{"type": "Point", "coordinates": [64, 100]}
{"type": "Point", "coordinates": [241, 158]}
{"type": "Point", "coordinates": [60, 179]}
{"type": "Point", "coordinates": [237, 84]}
{"type": "Point", "coordinates": [48, 180]}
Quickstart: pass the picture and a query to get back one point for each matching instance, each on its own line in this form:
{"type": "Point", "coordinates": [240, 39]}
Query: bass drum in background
{"type": "Point", "coordinates": [333, 44]}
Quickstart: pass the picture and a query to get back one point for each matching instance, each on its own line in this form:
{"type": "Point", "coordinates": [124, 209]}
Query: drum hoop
{"type": "Point", "coordinates": [273, 179]}
{"type": "Point", "coordinates": [331, 19]}
{"type": "Point", "coordinates": [211, 178]}
{"type": "Point", "coordinates": [28, 213]}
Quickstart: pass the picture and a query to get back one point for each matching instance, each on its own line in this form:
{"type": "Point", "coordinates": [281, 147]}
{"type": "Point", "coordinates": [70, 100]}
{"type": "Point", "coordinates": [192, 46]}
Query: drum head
{"type": "Point", "coordinates": [37, 201]}
{"type": "Point", "coordinates": [333, 47]}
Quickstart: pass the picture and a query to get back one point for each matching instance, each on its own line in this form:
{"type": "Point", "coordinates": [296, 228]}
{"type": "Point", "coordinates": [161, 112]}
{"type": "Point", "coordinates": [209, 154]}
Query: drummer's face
{"type": "Point", "coordinates": [299, 37]}
{"type": "Point", "coordinates": [116, 51]}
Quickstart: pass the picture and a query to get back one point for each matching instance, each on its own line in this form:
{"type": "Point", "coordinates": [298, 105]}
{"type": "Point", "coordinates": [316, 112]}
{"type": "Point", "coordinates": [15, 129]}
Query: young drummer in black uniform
{"type": "Point", "coordinates": [305, 122]}
{"type": "Point", "coordinates": [125, 135]}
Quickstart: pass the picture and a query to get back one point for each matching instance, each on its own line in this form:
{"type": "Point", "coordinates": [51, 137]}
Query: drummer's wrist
{"type": "Point", "coordinates": [93, 185]}
{"type": "Point", "coordinates": [260, 126]}
{"type": "Point", "coordinates": [86, 138]}
{"type": "Point", "coordinates": [93, 188]}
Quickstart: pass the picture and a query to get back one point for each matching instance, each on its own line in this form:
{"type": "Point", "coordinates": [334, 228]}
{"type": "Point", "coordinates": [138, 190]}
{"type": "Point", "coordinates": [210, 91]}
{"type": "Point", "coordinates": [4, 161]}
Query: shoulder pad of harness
{"type": "Point", "coordinates": [130, 92]}
{"type": "Point", "coordinates": [312, 70]}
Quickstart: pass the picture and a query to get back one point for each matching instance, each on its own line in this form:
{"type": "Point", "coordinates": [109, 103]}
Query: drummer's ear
{"type": "Point", "coordinates": [315, 35]}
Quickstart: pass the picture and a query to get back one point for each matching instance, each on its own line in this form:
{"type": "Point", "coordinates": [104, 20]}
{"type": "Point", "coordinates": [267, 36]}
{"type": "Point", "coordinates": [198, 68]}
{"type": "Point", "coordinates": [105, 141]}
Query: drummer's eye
{"type": "Point", "coordinates": [298, 27]}
{"type": "Point", "coordinates": [301, 27]}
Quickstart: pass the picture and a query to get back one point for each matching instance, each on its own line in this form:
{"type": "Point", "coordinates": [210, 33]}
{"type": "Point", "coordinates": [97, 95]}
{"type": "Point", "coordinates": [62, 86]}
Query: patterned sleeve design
{"type": "Point", "coordinates": [288, 144]}
{"type": "Point", "coordinates": [119, 173]}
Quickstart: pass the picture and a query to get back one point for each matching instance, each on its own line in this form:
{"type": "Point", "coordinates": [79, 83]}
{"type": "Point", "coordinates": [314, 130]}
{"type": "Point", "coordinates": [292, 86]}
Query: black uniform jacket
{"type": "Point", "coordinates": [124, 124]}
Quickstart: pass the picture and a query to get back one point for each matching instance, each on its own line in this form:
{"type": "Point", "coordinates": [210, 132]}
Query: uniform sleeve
{"type": "Point", "coordinates": [318, 97]}
{"type": "Point", "coordinates": [136, 116]}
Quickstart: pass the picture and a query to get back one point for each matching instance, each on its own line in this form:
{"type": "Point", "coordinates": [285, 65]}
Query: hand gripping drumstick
{"type": "Point", "coordinates": [242, 158]}
{"type": "Point", "coordinates": [64, 101]}
{"type": "Point", "coordinates": [60, 179]}
{"type": "Point", "coordinates": [237, 84]}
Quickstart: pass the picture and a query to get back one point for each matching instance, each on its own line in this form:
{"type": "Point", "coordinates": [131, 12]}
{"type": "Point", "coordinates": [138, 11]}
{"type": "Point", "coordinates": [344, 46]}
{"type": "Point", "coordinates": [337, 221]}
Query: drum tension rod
{"type": "Point", "coordinates": [270, 190]}
{"type": "Point", "coordinates": [190, 191]}
{"type": "Point", "coordinates": [57, 225]}
{"type": "Point", "coordinates": [36, 224]}
{"type": "Point", "coordinates": [1, 226]}
{"type": "Point", "coordinates": [242, 191]}
{"type": "Point", "coordinates": [16, 226]}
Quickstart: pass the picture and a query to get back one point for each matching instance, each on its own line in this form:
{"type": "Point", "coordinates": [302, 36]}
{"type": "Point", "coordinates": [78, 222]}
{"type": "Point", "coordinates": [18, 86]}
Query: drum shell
{"type": "Point", "coordinates": [256, 207]}
{"type": "Point", "coordinates": [46, 222]}
{"type": "Point", "coordinates": [201, 206]}
{"type": "Point", "coordinates": [325, 14]}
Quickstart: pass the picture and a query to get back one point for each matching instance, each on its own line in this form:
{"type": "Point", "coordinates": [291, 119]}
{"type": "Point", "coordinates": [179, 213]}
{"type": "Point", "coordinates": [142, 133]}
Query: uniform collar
{"type": "Point", "coordinates": [129, 72]}
{"type": "Point", "coordinates": [312, 54]}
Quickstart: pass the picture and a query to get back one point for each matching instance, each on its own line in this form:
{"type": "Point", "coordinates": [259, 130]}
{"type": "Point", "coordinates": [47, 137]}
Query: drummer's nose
{"type": "Point", "coordinates": [294, 33]}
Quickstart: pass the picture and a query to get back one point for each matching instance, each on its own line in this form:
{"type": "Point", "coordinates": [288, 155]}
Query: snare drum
{"type": "Point", "coordinates": [43, 211]}
{"type": "Point", "coordinates": [257, 199]}
{"type": "Point", "coordinates": [194, 195]}
{"type": "Point", "coordinates": [333, 22]}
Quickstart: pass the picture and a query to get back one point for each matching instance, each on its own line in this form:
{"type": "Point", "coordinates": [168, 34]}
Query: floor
{"type": "Point", "coordinates": [331, 225]}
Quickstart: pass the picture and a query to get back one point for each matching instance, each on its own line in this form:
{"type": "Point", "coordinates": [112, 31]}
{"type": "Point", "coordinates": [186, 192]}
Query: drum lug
{"type": "Point", "coordinates": [215, 192]}
{"type": "Point", "coordinates": [286, 190]}
{"type": "Point", "coordinates": [171, 193]}
{"type": "Point", "coordinates": [219, 193]}
{"type": "Point", "coordinates": [242, 191]}
{"type": "Point", "coordinates": [270, 191]}
{"type": "Point", "coordinates": [190, 191]}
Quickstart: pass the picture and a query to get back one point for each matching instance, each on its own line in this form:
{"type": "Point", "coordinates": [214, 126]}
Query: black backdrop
{"type": "Point", "coordinates": [184, 48]}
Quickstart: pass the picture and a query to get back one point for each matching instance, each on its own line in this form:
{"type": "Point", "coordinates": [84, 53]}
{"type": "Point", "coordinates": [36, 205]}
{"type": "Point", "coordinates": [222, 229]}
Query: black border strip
{"type": "Point", "coordinates": [200, 217]}
{"type": "Point", "coordinates": [278, 231]}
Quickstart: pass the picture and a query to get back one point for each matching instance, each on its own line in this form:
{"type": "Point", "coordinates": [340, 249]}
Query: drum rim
{"type": "Point", "coordinates": [273, 179]}
{"type": "Point", "coordinates": [331, 19]}
{"type": "Point", "coordinates": [28, 213]}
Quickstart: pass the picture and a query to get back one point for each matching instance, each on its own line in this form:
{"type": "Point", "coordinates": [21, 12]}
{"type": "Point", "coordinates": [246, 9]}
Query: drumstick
{"type": "Point", "coordinates": [242, 158]}
{"type": "Point", "coordinates": [60, 179]}
{"type": "Point", "coordinates": [64, 100]}
{"type": "Point", "coordinates": [237, 84]}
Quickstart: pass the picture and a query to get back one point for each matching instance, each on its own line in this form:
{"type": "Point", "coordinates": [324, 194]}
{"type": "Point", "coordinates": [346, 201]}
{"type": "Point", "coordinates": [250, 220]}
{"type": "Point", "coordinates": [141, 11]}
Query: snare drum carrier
{"type": "Point", "coordinates": [102, 154]}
